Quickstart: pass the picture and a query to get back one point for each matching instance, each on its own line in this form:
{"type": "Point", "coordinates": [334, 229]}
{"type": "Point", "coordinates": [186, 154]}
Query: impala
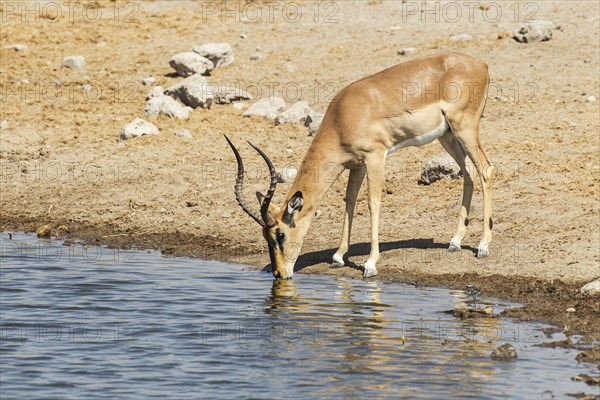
{"type": "Point", "coordinates": [410, 104]}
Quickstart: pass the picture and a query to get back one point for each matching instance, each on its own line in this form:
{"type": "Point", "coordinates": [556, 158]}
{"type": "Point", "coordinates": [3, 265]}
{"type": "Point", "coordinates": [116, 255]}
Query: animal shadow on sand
{"type": "Point", "coordinates": [363, 249]}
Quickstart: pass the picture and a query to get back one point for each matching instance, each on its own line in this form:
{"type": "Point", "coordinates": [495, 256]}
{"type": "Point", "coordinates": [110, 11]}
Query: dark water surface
{"type": "Point", "coordinates": [107, 324]}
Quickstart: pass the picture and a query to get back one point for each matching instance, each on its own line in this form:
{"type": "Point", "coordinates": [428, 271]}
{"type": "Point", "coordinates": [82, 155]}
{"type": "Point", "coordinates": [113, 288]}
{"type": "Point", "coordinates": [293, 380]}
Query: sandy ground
{"type": "Point", "coordinates": [63, 163]}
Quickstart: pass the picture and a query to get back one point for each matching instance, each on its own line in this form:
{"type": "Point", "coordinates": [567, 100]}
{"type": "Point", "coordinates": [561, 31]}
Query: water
{"type": "Point", "coordinates": [108, 324]}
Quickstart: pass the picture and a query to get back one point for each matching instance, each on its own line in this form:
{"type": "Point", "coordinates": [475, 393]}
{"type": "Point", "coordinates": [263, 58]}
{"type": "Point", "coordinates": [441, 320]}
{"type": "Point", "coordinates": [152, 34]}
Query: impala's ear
{"type": "Point", "coordinates": [261, 199]}
{"type": "Point", "coordinates": [293, 207]}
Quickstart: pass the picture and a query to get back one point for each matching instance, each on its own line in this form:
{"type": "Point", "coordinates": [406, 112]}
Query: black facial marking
{"type": "Point", "coordinates": [491, 223]}
{"type": "Point", "coordinates": [466, 221]}
{"type": "Point", "coordinates": [272, 257]}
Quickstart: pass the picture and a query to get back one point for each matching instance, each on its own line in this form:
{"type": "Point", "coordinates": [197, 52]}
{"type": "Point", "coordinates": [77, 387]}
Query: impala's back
{"type": "Point", "coordinates": [406, 101]}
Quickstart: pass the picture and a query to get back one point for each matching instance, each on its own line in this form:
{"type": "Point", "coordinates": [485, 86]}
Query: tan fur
{"type": "Point", "coordinates": [374, 114]}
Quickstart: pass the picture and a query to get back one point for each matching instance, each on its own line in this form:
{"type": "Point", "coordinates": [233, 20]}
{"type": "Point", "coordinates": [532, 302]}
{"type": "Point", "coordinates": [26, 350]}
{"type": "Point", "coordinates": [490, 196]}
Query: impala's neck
{"type": "Point", "coordinates": [318, 171]}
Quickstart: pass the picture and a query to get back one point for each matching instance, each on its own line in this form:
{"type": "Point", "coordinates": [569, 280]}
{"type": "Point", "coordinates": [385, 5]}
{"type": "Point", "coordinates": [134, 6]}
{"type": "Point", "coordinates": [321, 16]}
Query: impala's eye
{"type": "Point", "coordinates": [280, 237]}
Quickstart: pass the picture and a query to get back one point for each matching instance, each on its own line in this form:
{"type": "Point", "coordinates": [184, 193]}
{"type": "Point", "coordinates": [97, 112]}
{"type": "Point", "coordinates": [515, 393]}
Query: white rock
{"type": "Point", "coordinates": [438, 167]}
{"type": "Point", "coordinates": [591, 99]}
{"type": "Point", "coordinates": [239, 106]}
{"type": "Point", "coordinates": [17, 47]}
{"type": "Point", "coordinates": [193, 92]}
{"type": "Point", "coordinates": [313, 122]}
{"type": "Point", "coordinates": [257, 56]}
{"type": "Point", "coordinates": [464, 36]}
{"type": "Point", "coordinates": [228, 95]}
{"type": "Point", "coordinates": [406, 50]}
{"type": "Point", "coordinates": [149, 81]}
{"type": "Point", "coordinates": [268, 108]}
{"type": "Point", "coordinates": [221, 54]}
{"type": "Point", "coordinates": [156, 91]}
{"type": "Point", "coordinates": [183, 133]}
{"type": "Point", "coordinates": [506, 352]}
{"type": "Point", "coordinates": [539, 31]}
{"type": "Point", "coordinates": [190, 63]}
{"type": "Point", "coordinates": [570, 310]}
{"type": "Point", "coordinates": [138, 127]}
{"type": "Point", "coordinates": [295, 114]}
{"type": "Point", "coordinates": [591, 289]}
{"type": "Point", "coordinates": [4, 124]}
{"type": "Point", "coordinates": [74, 62]}
{"type": "Point", "coordinates": [166, 105]}
{"type": "Point", "coordinates": [286, 175]}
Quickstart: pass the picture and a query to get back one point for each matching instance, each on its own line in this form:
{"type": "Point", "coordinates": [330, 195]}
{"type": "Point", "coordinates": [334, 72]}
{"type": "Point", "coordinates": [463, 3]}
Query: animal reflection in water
{"type": "Point", "coordinates": [367, 335]}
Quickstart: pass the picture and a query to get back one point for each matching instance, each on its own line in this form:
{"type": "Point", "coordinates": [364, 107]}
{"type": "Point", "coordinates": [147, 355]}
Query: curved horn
{"type": "Point", "coordinates": [264, 208]}
{"type": "Point", "coordinates": [239, 184]}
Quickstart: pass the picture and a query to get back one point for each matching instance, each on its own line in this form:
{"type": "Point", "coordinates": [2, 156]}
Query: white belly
{"type": "Point", "coordinates": [420, 140]}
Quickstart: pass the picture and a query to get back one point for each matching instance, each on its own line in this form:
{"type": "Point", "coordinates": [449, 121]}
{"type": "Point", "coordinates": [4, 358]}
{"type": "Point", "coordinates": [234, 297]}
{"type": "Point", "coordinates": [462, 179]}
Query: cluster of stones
{"type": "Point", "coordinates": [195, 91]}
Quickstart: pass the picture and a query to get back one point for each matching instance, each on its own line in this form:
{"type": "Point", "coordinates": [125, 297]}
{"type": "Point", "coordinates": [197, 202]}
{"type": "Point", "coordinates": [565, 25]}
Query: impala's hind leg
{"type": "Point", "coordinates": [354, 181]}
{"type": "Point", "coordinates": [468, 136]}
{"type": "Point", "coordinates": [455, 149]}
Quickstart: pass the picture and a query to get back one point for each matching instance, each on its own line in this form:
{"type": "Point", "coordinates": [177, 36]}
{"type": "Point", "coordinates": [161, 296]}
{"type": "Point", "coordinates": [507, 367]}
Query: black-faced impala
{"type": "Point", "coordinates": [411, 104]}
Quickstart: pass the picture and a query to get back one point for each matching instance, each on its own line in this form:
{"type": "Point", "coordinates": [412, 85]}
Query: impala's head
{"type": "Point", "coordinates": [278, 224]}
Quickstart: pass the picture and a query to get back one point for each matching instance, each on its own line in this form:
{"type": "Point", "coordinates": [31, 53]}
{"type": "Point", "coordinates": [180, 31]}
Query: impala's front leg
{"type": "Point", "coordinates": [354, 181]}
{"type": "Point", "coordinates": [375, 167]}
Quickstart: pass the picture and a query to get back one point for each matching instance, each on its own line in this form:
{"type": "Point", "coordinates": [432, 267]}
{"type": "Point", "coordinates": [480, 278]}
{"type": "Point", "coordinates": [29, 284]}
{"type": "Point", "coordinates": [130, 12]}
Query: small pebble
{"type": "Point", "coordinates": [286, 175]}
{"type": "Point", "coordinates": [461, 37]}
{"type": "Point", "coordinates": [16, 47]}
{"type": "Point", "coordinates": [591, 99]}
{"type": "Point", "coordinates": [406, 51]}
{"type": "Point", "coordinates": [149, 81]}
{"type": "Point", "coordinates": [592, 288]}
{"type": "Point", "coordinates": [62, 230]}
{"type": "Point", "coordinates": [73, 62]}
{"type": "Point", "coordinates": [570, 310]}
{"type": "Point", "coordinates": [506, 352]}
{"type": "Point", "coordinates": [44, 231]}
{"type": "Point", "coordinates": [183, 133]}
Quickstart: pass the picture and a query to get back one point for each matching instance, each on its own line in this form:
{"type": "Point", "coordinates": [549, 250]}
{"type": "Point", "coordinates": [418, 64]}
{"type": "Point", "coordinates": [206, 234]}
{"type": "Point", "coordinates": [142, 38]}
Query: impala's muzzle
{"type": "Point", "coordinates": [281, 268]}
